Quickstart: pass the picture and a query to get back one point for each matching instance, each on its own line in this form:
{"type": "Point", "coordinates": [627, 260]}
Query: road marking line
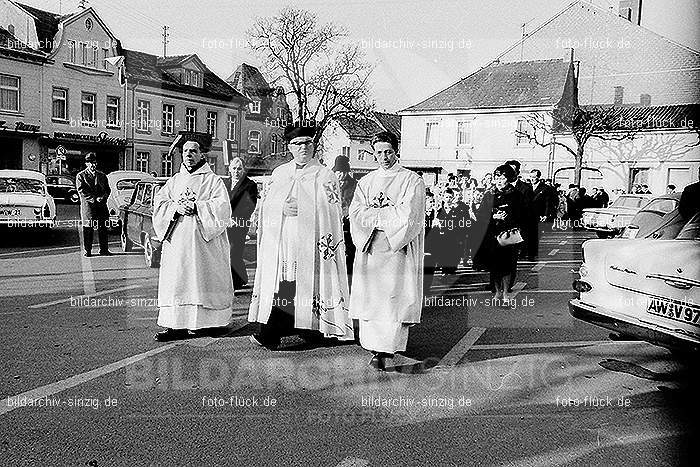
{"type": "Point", "coordinates": [353, 462]}
{"type": "Point", "coordinates": [539, 266]}
{"type": "Point", "coordinates": [538, 345]}
{"type": "Point", "coordinates": [554, 252]}
{"type": "Point", "coordinates": [462, 347]}
{"type": "Point", "coordinates": [517, 288]}
{"type": "Point", "coordinates": [563, 242]}
{"type": "Point", "coordinates": [46, 249]}
{"type": "Point", "coordinates": [73, 381]}
{"type": "Point", "coordinates": [96, 294]}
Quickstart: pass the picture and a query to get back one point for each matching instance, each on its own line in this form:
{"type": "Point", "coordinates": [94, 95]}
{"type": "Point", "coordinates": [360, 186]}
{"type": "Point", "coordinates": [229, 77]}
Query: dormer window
{"type": "Point", "coordinates": [192, 78]}
{"type": "Point", "coordinates": [255, 107]}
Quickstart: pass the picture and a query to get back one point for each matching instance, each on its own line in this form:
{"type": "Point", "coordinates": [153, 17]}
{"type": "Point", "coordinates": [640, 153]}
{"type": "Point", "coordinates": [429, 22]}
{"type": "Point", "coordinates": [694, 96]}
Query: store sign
{"type": "Point", "coordinates": [102, 138]}
{"type": "Point", "coordinates": [20, 126]}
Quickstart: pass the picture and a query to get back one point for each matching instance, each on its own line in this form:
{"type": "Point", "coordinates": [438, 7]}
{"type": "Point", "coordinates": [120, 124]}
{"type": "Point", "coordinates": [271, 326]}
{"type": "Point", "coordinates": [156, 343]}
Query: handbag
{"type": "Point", "coordinates": [509, 237]}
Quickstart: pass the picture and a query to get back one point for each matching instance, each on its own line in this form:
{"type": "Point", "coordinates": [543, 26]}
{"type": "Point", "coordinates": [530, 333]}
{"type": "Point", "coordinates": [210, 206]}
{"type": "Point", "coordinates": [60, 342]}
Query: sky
{"type": "Point", "coordinates": [416, 47]}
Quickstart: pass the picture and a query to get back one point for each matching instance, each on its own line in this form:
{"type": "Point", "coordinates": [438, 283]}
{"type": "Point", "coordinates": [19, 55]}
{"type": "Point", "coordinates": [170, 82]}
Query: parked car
{"type": "Point", "coordinates": [610, 221]}
{"type": "Point", "coordinates": [121, 184]}
{"type": "Point", "coordinates": [658, 219]}
{"type": "Point", "coordinates": [647, 289]}
{"type": "Point", "coordinates": [62, 187]}
{"type": "Point", "coordinates": [137, 224]}
{"type": "Point", "coordinates": [25, 200]}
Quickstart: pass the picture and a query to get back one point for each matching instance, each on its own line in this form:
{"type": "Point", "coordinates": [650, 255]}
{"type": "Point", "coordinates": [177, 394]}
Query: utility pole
{"type": "Point", "coordinates": [165, 41]}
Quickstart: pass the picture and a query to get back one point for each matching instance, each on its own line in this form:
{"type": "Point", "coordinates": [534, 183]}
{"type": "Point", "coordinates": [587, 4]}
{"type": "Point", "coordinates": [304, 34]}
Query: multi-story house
{"type": "Point", "coordinates": [168, 95]}
{"type": "Point", "coordinates": [262, 127]}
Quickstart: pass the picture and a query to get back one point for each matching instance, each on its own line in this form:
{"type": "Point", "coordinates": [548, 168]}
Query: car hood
{"type": "Point", "coordinates": [615, 210]}
{"type": "Point", "coordinates": [22, 199]}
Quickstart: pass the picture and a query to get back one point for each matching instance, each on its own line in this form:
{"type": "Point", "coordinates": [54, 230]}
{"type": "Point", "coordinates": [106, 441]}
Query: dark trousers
{"type": "Point", "coordinates": [281, 321]}
{"type": "Point", "coordinates": [236, 237]}
{"type": "Point", "coordinates": [349, 249]}
{"type": "Point", "coordinates": [101, 234]}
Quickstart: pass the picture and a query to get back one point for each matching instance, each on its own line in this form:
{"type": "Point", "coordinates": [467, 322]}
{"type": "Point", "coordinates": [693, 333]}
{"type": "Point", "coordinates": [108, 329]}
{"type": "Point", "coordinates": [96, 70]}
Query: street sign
{"type": "Point", "coordinates": [61, 151]}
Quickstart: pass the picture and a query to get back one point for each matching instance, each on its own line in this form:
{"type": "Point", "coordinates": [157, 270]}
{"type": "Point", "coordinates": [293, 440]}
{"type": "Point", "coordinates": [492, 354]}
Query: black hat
{"type": "Point", "coordinates": [342, 164]}
{"type": "Point", "coordinates": [296, 130]}
{"type": "Point", "coordinates": [90, 157]}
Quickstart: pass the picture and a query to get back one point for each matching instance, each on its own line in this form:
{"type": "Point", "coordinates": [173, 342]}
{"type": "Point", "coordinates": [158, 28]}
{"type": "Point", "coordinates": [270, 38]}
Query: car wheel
{"type": "Point", "coordinates": [149, 254]}
{"type": "Point", "coordinates": [127, 244]}
{"type": "Point", "coordinates": [74, 198]}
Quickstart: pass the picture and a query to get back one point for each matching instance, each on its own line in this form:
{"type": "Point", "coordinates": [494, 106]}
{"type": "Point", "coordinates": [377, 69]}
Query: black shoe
{"type": "Point", "coordinates": [257, 340]}
{"type": "Point", "coordinates": [87, 254]}
{"type": "Point", "coordinates": [379, 360]}
{"type": "Point", "coordinates": [170, 335]}
{"type": "Point", "coordinates": [106, 253]}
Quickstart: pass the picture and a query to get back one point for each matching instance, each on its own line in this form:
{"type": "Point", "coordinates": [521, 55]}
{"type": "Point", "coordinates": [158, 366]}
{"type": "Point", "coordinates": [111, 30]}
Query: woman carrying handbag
{"type": "Point", "coordinates": [502, 234]}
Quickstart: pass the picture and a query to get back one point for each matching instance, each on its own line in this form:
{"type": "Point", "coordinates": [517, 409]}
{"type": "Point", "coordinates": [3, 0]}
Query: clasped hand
{"type": "Point", "coordinates": [290, 208]}
{"type": "Point", "coordinates": [186, 208]}
{"type": "Point", "coordinates": [500, 215]}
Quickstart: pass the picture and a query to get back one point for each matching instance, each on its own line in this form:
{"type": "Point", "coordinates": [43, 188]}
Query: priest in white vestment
{"type": "Point", "coordinates": [301, 283]}
{"type": "Point", "coordinates": [387, 217]}
{"type": "Point", "coordinates": [190, 215]}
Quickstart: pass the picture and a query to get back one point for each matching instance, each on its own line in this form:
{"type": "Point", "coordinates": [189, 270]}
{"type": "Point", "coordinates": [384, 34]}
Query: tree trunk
{"type": "Point", "coordinates": [578, 164]}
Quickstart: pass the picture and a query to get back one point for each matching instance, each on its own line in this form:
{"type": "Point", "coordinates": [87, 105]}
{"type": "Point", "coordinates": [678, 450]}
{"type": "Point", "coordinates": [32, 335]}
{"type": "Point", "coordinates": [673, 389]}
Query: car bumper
{"type": "Point", "coordinates": [629, 326]}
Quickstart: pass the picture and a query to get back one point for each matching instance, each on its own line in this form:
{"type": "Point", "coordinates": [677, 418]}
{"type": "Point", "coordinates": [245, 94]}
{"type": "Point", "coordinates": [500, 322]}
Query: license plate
{"type": "Point", "coordinates": [682, 312]}
{"type": "Point", "coordinates": [9, 212]}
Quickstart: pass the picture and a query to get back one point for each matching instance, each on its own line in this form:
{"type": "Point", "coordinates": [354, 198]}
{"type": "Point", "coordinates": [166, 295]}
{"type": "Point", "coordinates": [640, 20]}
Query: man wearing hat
{"type": "Point", "coordinates": [301, 279]}
{"type": "Point", "coordinates": [93, 190]}
{"type": "Point", "coordinates": [347, 191]}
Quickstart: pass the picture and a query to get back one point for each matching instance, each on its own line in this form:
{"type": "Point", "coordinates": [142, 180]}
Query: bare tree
{"type": "Point", "coordinates": [581, 124]}
{"type": "Point", "coordinates": [327, 76]}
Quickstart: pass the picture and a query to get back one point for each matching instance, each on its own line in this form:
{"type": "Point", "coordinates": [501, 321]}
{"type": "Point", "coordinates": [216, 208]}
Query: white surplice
{"type": "Point", "coordinates": [387, 217]}
{"type": "Point", "coordinates": [307, 249]}
{"type": "Point", "coordinates": [195, 288]}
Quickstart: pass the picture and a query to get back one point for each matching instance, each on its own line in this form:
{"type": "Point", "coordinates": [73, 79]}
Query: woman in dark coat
{"type": "Point", "coordinates": [505, 205]}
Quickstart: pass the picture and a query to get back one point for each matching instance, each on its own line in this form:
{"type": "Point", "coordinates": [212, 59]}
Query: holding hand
{"type": "Point", "coordinates": [291, 208]}
{"type": "Point", "coordinates": [186, 208]}
{"type": "Point", "coordinates": [500, 215]}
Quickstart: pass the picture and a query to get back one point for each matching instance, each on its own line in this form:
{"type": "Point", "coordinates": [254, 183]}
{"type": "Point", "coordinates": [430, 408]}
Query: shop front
{"type": "Point", "coordinates": [65, 152]}
{"type": "Point", "coordinates": [19, 145]}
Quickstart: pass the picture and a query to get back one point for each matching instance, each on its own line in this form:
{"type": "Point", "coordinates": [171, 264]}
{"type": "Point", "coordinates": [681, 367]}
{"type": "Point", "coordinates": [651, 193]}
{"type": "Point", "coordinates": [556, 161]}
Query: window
{"type": "Point", "coordinates": [142, 161]}
{"type": "Point", "coordinates": [166, 164]}
{"type": "Point", "coordinates": [192, 78]}
{"type": "Point", "coordinates": [431, 135]}
{"type": "Point", "coordinates": [112, 111]}
{"type": "Point", "coordinates": [94, 58]}
{"type": "Point", "coordinates": [71, 51]}
{"type": "Point", "coordinates": [83, 53]}
{"type": "Point", "coordinates": [273, 144]}
{"type": "Point", "coordinates": [191, 119]}
{"type": "Point", "coordinates": [139, 193]}
{"type": "Point", "coordinates": [464, 133]}
{"type": "Point", "coordinates": [168, 118]}
{"type": "Point", "coordinates": [59, 104]}
{"type": "Point", "coordinates": [212, 121]}
{"type": "Point", "coordinates": [231, 127]}
{"type": "Point", "coordinates": [679, 177]}
{"type": "Point", "coordinates": [105, 54]}
{"type": "Point", "coordinates": [87, 105]}
{"type": "Point", "coordinates": [148, 195]}
{"type": "Point", "coordinates": [254, 141]}
{"type": "Point", "coordinates": [212, 162]}
{"type": "Point", "coordinates": [280, 114]}
{"type": "Point", "coordinates": [255, 107]}
{"type": "Point", "coordinates": [524, 128]}
{"type": "Point", "coordinates": [9, 93]}
{"type": "Point", "coordinates": [143, 115]}
{"type": "Point", "coordinates": [346, 151]}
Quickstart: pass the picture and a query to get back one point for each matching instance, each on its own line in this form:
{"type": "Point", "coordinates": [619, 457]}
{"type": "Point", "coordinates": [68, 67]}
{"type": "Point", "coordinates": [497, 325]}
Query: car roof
{"type": "Point", "coordinates": [153, 181]}
{"type": "Point", "coordinates": [32, 174]}
{"type": "Point", "coordinates": [121, 174]}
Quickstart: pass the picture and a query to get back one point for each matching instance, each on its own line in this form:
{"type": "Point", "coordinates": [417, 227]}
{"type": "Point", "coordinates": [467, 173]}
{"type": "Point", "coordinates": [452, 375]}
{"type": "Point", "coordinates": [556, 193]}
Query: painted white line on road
{"type": "Point", "coordinates": [57, 248]}
{"type": "Point", "coordinates": [96, 294]}
{"type": "Point", "coordinates": [538, 345]}
{"type": "Point", "coordinates": [517, 288]}
{"type": "Point", "coordinates": [563, 242]}
{"type": "Point", "coordinates": [539, 266]}
{"type": "Point", "coordinates": [462, 347]}
{"type": "Point", "coordinates": [59, 386]}
{"type": "Point", "coordinates": [554, 252]}
{"type": "Point", "coordinates": [353, 462]}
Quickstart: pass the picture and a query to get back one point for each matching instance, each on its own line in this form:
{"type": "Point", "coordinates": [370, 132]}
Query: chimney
{"type": "Point", "coordinates": [631, 10]}
{"type": "Point", "coordinates": [619, 95]}
{"type": "Point", "coordinates": [645, 100]}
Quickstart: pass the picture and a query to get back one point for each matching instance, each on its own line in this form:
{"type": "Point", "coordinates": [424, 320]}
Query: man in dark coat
{"type": "Point", "coordinates": [690, 199]}
{"type": "Point", "coordinates": [454, 220]}
{"type": "Point", "coordinates": [243, 193]}
{"type": "Point", "coordinates": [543, 207]}
{"type": "Point", "coordinates": [347, 191]}
{"type": "Point", "coordinates": [93, 190]}
{"type": "Point", "coordinates": [528, 219]}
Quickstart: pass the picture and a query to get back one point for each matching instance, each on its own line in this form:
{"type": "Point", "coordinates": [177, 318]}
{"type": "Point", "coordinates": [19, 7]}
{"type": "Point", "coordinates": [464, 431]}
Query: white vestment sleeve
{"type": "Point", "coordinates": [214, 214]}
{"type": "Point", "coordinates": [363, 218]}
{"type": "Point", "coordinates": [164, 208]}
{"type": "Point", "coordinates": [404, 221]}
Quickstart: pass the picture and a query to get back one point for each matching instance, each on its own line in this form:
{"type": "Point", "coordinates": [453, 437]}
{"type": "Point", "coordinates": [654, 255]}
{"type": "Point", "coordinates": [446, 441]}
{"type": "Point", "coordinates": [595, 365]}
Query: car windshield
{"type": "Point", "coordinates": [127, 183]}
{"type": "Point", "coordinates": [661, 205]}
{"type": "Point", "coordinates": [628, 202]}
{"type": "Point", "coordinates": [21, 185]}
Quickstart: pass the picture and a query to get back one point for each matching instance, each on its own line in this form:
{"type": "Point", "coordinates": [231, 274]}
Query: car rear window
{"type": "Point", "coordinates": [21, 185]}
{"type": "Point", "coordinates": [127, 183]}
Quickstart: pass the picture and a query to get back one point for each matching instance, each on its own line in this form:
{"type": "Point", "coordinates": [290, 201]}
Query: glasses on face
{"type": "Point", "coordinates": [301, 143]}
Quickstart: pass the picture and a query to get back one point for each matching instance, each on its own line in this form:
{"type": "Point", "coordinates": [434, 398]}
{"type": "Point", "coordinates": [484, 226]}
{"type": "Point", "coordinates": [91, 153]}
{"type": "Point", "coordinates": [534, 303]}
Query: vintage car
{"type": "Point", "coordinates": [658, 219]}
{"type": "Point", "coordinates": [62, 187]}
{"type": "Point", "coordinates": [121, 184]}
{"type": "Point", "coordinates": [136, 221]}
{"type": "Point", "coordinates": [610, 221]}
{"type": "Point", "coordinates": [25, 200]}
{"type": "Point", "coordinates": [644, 288]}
